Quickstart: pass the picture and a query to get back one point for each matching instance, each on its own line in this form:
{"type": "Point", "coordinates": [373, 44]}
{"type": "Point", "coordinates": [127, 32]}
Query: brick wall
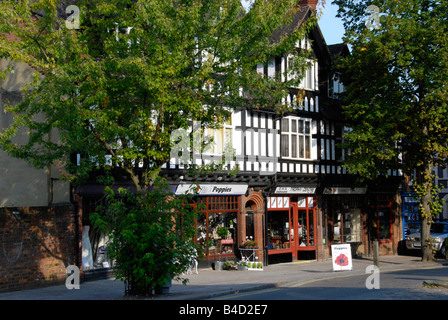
{"type": "Point", "coordinates": [36, 246]}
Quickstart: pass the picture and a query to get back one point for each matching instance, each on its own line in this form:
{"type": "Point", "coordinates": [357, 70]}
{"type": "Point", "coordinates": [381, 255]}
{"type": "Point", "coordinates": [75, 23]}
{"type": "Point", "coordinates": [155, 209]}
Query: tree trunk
{"type": "Point", "coordinates": [427, 255]}
{"type": "Point", "coordinates": [425, 213]}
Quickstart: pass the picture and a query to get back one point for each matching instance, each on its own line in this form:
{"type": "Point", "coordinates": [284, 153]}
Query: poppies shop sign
{"type": "Point", "coordinates": [212, 189]}
{"type": "Point", "coordinates": [342, 257]}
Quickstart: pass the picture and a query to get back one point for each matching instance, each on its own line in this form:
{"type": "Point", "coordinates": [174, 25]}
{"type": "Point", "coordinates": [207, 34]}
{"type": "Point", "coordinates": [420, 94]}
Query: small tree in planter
{"type": "Point", "coordinates": [150, 236]}
{"type": "Point", "coordinates": [222, 232]}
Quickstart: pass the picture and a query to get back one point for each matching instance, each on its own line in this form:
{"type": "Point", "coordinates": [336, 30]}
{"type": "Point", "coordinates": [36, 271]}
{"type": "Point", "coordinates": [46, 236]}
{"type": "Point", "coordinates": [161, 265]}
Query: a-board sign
{"type": "Point", "coordinates": [342, 257]}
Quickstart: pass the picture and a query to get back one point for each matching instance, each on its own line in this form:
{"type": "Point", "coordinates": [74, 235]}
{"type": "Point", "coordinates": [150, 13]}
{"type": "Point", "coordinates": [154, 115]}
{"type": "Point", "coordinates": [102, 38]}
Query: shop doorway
{"type": "Point", "coordinates": [291, 227]}
{"type": "Point", "coordinates": [305, 215]}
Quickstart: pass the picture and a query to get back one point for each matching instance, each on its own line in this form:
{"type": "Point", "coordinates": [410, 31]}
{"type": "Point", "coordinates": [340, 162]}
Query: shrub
{"type": "Point", "coordinates": [150, 236]}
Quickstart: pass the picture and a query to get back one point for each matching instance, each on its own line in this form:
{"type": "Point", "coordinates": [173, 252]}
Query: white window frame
{"type": "Point", "coordinates": [296, 129]}
{"type": "Point", "coordinates": [218, 145]}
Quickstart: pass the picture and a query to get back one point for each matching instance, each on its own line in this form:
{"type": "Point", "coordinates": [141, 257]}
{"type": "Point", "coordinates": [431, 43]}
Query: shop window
{"type": "Point", "coordinates": [201, 223]}
{"type": "Point", "coordinates": [344, 221]}
{"type": "Point", "coordinates": [352, 225]}
{"type": "Point", "coordinates": [221, 232]}
{"type": "Point", "coordinates": [95, 241]}
{"type": "Point", "coordinates": [306, 228]}
{"type": "Point", "coordinates": [250, 230]}
{"type": "Point", "coordinates": [217, 226]}
{"type": "Point", "coordinates": [279, 230]}
{"type": "Point", "coordinates": [381, 219]}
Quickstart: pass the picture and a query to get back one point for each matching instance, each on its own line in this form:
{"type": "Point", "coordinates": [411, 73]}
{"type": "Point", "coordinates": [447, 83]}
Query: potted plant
{"type": "Point", "coordinates": [242, 265]}
{"type": "Point", "coordinates": [250, 244]}
{"type": "Point", "coordinates": [229, 265]}
{"type": "Point", "coordinates": [222, 232]}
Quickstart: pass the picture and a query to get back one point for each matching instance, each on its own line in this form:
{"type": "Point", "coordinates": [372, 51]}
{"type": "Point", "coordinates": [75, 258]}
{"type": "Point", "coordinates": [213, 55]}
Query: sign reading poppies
{"type": "Point", "coordinates": [342, 257]}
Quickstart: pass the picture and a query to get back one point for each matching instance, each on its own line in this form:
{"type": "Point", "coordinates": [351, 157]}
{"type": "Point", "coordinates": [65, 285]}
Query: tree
{"type": "Point", "coordinates": [115, 89]}
{"type": "Point", "coordinates": [396, 93]}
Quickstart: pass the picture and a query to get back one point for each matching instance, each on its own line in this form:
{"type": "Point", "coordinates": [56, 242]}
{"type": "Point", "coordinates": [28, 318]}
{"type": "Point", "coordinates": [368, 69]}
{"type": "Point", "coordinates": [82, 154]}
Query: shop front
{"type": "Point", "coordinates": [384, 222]}
{"type": "Point", "coordinates": [291, 222]}
{"type": "Point", "coordinates": [356, 217]}
{"type": "Point", "coordinates": [217, 225]}
{"type": "Point", "coordinates": [344, 221]}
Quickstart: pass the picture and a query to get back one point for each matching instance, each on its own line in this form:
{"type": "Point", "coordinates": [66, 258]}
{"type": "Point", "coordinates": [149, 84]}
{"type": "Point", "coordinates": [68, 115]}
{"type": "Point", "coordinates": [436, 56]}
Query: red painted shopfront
{"type": "Point", "coordinates": [219, 213]}
{"type": "Point", "coordinates": [291, 226]}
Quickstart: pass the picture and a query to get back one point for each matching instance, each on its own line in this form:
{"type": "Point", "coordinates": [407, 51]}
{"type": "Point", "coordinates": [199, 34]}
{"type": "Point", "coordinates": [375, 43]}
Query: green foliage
{"type": "Point", "coordinates": [222, 232]}
{"type": "Point", "coordinates": [435, 203]}
{"type": "Point", "coordinates": [151, 235]}
{"type": "Point", "coordinates": [396, 82]}
{"type": "Point", "coordinates": [134, 72]}
{"type": "Point", "coordinates": [396, 86]}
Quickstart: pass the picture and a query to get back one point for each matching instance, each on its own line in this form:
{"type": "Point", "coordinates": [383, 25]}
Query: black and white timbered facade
{"type": "Point", "coordinates": [283, 184]}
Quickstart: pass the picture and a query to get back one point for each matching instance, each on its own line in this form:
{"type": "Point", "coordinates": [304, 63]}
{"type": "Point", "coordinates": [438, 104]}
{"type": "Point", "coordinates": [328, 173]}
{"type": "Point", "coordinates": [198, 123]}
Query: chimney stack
{"type": "Point", "coordinates": [310, 3]}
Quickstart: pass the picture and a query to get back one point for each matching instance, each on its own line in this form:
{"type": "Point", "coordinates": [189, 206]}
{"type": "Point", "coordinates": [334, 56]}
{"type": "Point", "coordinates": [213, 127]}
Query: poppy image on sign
{"type": "Point", "coordinates": [341, 260]}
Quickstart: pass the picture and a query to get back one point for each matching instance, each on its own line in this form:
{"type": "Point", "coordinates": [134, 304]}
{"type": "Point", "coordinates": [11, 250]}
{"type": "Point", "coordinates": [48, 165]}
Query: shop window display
{"type": "Point", "coordinates": [384, 224]}
{"type": "Point", "coordinates": [347, 226]}
{"type": "Point", "coordinates": [217, 226]}
{"type": "Point", "coordinates": [306, 228]}
{"type": "Point", "coordinates": [219, 237]}
{"type": "Point", "coordinates": [381, 219]}
{"type": "Point", "coordinates": [344, 225]}
{"type": "Point", "coordinates": [279, 230]}
{"type": "Point", "coordinates": [94, 242]}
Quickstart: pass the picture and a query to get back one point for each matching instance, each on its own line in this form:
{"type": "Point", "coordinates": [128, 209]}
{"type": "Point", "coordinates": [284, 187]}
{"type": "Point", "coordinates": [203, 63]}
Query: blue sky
{"type": "Point", "coordinates": [331, 27]}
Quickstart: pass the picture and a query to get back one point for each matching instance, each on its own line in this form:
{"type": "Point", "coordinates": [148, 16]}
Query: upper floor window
{"type": "Point", "coordinates": [309, 79]}
{"type": "Point", "coordinates": [220, 139]}
{"type": "Point", "coordinates": [335, 85]}
{"type": "Point", "coordinates": [295, 138]}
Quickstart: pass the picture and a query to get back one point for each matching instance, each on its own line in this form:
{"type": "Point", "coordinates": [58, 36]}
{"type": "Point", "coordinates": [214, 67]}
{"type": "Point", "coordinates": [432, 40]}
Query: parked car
{"type": "Point", "coordinates": [439, 232]}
